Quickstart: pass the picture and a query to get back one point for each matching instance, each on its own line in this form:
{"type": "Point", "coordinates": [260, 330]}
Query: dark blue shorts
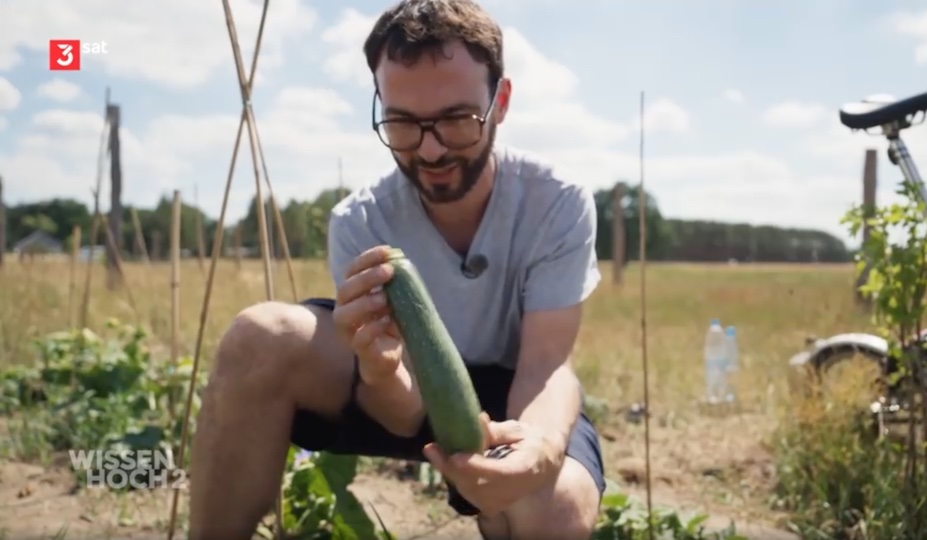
{"type": "Point", "coordinates": [356, 433]}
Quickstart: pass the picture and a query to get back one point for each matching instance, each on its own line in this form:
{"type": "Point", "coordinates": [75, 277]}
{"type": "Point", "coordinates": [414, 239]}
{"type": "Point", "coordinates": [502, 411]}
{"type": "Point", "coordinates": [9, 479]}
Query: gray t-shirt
{"type": "Point", "coordinates": [537, 235]}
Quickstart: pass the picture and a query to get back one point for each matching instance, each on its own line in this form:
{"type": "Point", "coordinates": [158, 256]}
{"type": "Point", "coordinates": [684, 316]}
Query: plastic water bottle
{"type": "Point", "coordinates": [715, 362]}
{"type": "Point", "coordinates": [732, 361]}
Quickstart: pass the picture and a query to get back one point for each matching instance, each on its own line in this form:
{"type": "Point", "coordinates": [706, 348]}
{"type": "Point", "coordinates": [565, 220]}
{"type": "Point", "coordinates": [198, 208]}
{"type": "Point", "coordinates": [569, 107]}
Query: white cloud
{"type": "Point", "coordinates": [306, 128]}
{"type": "Point", "coordinates": [304, 133]}
{"type": "Point", "coordinates": [548, 117]}
{"type": "Point", "coordinates": [59, 90]}
{"type": "Point", "coordinates": [664, 115]}
{"type": "Point", "coordinates": [346, 38]}
{"type": "Point", "coordinates": [794, 114]}
{"type": "Point", "coordinates": [10, 96]}
{"type": "Point", "coordinates": [58, 157]}
{"type": "Point", "coordinates": [177, 43]}
{"type": "Point", "coordinates": [844, 149]}
{"type": "Point", "coordinates": [301, 133]}
{"type": "Point", "coordinates": [734, 96]}
{"type": "Point", "coordinates": [914, 25]}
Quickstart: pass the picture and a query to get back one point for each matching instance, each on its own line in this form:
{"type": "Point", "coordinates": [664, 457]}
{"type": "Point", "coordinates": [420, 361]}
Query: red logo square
{"type": "Point", "coordinates": [64, 54]}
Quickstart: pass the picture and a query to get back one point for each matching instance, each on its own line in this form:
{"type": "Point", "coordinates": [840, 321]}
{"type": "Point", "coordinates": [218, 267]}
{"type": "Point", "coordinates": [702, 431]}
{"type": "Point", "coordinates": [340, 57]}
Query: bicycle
{"type": "Point", "coordinates": [821, 355]}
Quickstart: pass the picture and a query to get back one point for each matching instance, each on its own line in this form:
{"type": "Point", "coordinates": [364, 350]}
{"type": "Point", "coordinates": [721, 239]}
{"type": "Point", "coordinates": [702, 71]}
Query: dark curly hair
{"type": "Point", "coordinates": [412, 28]}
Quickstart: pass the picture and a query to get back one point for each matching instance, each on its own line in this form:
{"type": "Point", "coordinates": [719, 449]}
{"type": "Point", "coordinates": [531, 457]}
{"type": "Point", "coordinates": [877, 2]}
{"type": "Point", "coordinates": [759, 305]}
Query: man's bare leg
{"type": "Point", "coordinates": [273, 359]}
{"type": "Point", "coordinates": [567, 510]}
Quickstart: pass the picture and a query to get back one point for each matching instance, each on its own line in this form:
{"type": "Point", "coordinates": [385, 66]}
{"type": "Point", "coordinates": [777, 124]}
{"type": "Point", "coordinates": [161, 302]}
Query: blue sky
{"type": "Point", "coordinates": [742, 98]}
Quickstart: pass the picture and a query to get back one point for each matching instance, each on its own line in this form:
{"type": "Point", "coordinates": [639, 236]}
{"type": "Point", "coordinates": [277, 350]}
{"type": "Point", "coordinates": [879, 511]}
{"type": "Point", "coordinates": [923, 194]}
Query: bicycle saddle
{"type": "Point", "coordinates": [882, 109]}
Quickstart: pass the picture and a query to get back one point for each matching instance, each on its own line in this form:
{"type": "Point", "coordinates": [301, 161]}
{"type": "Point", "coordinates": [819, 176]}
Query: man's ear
{"type": "Point", "coordinates": [503, 99]}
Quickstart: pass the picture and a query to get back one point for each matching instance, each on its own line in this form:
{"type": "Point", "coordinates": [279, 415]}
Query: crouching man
{"type": "Point", "coordinates": [507, 251]}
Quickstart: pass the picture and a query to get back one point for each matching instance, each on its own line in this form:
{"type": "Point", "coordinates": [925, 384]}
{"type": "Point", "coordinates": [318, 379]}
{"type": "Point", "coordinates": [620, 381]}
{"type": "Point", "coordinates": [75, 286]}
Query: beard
{"type": "Point", "coordinates": [469, 169]}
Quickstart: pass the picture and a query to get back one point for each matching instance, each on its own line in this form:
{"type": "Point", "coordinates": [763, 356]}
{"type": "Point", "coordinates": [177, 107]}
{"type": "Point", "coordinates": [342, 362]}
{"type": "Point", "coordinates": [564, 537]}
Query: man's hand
{"type": "Point", "coordinates": [493, 485]}
{"type": "Point", "coordinates": [362, 316]}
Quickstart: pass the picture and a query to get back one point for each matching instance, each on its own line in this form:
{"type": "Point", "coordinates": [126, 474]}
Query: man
{"type": "Point", "coordinates": [507, 251]}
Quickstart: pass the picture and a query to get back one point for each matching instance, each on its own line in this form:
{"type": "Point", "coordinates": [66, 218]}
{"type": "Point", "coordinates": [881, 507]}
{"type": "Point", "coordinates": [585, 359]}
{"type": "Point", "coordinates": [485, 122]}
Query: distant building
{"type": "Point", "coordinates": [99, 253]}
{"type": "Point", "coordinates": [37, 243]}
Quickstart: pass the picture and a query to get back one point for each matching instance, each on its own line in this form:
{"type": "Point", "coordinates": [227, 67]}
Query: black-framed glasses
{"type": "Point", "coordinates": [454, 131]}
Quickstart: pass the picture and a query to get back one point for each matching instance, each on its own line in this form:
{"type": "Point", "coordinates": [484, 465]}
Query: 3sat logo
{"type": "Point", "coordinates": [64, 55]}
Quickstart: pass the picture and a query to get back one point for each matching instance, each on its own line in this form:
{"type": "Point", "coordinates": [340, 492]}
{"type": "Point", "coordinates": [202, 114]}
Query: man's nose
{"type": "Point", "coordinates": [431, 149]}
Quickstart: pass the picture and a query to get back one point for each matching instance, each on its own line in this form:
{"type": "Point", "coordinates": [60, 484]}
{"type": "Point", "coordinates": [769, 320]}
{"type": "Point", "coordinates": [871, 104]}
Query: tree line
{"type": "Point", "coordinates": [305, 224]}
{"type": "Point", "coordinates": [709, 241]}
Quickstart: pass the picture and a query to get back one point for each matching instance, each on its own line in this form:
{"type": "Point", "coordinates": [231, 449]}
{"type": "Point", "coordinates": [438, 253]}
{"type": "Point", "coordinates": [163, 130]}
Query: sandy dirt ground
{"type": "Point", "coordinates": [37, 502]}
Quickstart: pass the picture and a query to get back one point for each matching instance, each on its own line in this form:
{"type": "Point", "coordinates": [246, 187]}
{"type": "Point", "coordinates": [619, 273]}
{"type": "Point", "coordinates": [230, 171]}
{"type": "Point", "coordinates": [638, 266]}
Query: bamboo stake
{"type": "Point", "coordinates": [237, 243]}
{"type": "Point", "coordinates": [281, 233]}
{"type": "Point", "coordinates": [175, 288]}
{"type": "Point", "coordinates": [200, 241]}
{"type": "Point", "coordinates": [2, 226]}
{"type": "Point", "coordinates": [88, 278]}
{"type": "Point", "coordinates": [245, 86]}
{"type": "Point", "coordinates": [72, 275]}
{"type": "Point", "coordinates": [217, 246]}
{"type": "Point", "coordinates": [120, 269]}
{"type": "Point", "coordinates": [642, 249]}
{"type": "Point", "coordinates": [139, 237]}
{"type": "Point", "coordinates": [95, 224]}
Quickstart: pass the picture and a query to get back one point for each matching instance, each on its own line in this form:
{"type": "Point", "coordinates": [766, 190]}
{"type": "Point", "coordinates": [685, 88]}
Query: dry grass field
{"type": "Point", "coordinates": [718, 463]}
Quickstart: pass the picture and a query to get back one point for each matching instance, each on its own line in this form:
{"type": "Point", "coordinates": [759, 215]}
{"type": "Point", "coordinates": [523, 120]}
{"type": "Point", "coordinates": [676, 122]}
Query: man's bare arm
{"type": "Point", "coordinates": [545, 392]}
{"type": "Point", "coordinates": [394, 402]}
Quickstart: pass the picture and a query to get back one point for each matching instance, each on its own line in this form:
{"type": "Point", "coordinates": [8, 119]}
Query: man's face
{"type": "Point", "coordinates": [449, 88]}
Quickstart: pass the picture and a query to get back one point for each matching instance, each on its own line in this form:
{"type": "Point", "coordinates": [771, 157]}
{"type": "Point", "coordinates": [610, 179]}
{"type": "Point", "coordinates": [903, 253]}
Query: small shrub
{"type": "Point", "coordinates": [86, 391]}
{"type": "Point", "coordinates": [839, 480]}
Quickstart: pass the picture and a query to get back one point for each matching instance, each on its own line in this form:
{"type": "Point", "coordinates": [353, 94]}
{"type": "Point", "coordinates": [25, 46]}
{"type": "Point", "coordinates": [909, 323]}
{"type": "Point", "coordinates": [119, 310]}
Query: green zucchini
{"type": "Point", "coordinates": [447, 392]}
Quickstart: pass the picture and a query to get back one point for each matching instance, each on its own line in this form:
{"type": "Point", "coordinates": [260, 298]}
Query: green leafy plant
{"type": "Point", "coordinates": [624, 517]}
{"type": "Point", "coordinates": [316, 502]}
{"type": "Point", "coordinates": [108, 391]}
{"type": "Point", "coordinates": [87, 391]}
{"type": "Point", "coordinates": [837, 474]}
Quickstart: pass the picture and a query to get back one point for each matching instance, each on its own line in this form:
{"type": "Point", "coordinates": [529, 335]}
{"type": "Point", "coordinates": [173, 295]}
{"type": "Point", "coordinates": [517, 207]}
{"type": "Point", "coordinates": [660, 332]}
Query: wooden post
{"type": "Point", "coordinates": [870, 183]}
{"type": "Point", "coordinates": [618, 233]}
{"type": "Point", "coordinates": [2, 224]}
{"type": "Point", "coordinates": [115, 211]}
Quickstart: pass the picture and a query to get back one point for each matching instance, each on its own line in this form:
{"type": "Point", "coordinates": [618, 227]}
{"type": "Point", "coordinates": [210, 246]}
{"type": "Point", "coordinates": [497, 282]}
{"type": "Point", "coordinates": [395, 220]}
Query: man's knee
{"type": "Point", "coordinates": [256, 342]}
{"type": "Point", "coordinates": [565, 511]}
{"type": "Point", "coordinates": [285, 350]}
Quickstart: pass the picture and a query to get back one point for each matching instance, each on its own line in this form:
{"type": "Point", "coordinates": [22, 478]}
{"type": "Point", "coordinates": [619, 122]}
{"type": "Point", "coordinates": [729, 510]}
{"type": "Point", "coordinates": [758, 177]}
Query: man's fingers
{"type": "Point", "coordinates": [369, 332]}
{"type": "Point", "coordinates": [484, 427]}
{"type": "Point", "coordinates": [368, 259]}
{"type": "Point", "coordinates": [438, 460]}
{"type": "Point", "coordinates": [361, 283]}
{"type": "Point", "coordinates": [393, 330]}
{"type": "Point", "coordinates": [352, 315]}
{"type": "Point", "coordinates": [508, 432]}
